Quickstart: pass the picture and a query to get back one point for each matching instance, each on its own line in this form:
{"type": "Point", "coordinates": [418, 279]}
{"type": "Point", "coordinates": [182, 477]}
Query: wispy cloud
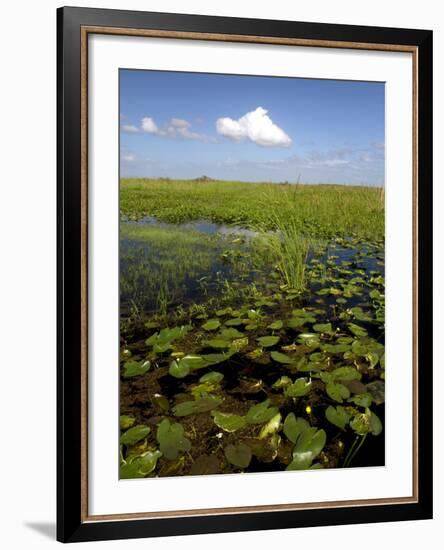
{"type": "Point", "coordinates": [175, 128]}
{"type": "Point", "coordinates": [255, 126]}
{"type": "Point", "coordinates": [130, 128]}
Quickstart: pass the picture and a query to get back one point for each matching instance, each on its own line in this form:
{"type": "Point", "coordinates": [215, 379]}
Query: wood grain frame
{"type": "Point", "coordinates": [75, 25]}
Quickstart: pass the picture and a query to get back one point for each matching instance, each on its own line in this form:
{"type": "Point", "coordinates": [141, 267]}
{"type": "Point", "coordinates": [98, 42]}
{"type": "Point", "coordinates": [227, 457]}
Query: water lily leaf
{"type": "Point", "coordinates": [300, 387]}
{"type": "Point", "coordinates": [231, 334]}
{"type": "Point", "coordinates": [377, 390]}
{"type": "Point", "coordinates": [271, 426]}
{"type": "Point", "coordinates": [229, 422]}
{"type": "Point", "coordinates": [301, 461]}
{"type": "Point", "coordinates": [337, 392]}
{"type": "Point", "coordinates": [134, 368]}
{"type": "Point", "coordinates": [201, 405]}
{"type": "Point", "coordinates": [324, 328]}
{"type": "Point", "coordinates": [126, 421]}
{"type": "Point", "coordinates": [161, 341]}
{"type": "Point", "coordinates": [311, 440]}
{"type": "Point", "coordinates": [309, 339]}
{"type": "Point", "coordinates": [281, 358]}
{"type": "Point", "coordinates": [372, 359]}
{"type": "Point", "coordinates": [211, 324]}
{"type": "Point", "coordinates": [268, 341]}
{"type": "Point", "coordinates": [357, 330]}
{"type": "Point", "coordinates": [293, 427]}
{"type": "Point", "coordinates": [337, 416]}
{"type": "Point", "coordinates": [212, 377]}
{"type": "Point", "coordinates": [362, 400]}
{"type": "Point", "coordinates": [260, 413]}
{"type": "Point", "coordinates": [140, 466]}
{"type": "Point", "coordinates": [346, 373]}
{"type": "Point", "coordinates": [336, 348]}
{"type": "Point", "coordinates": [217, 343]}
{"type": "Point", "coordinates": [375, 423]}
{"type": "Point", "coordinates": [296, 322]}
{"type": "Point", "coordinates": [134, 434]}
{"type": "Point", "coordinates": [239, 455]}
{"type": "Point", "coordinates": [205, 465]}
{"type": "Point", "coordinates": [179, 369]}
{"type": "Point", "coordinates": [234, 322]}
{"type": "Point", "coordinates": [171, 439]}
{"type": "Point", "coordinates": [359, 314]}
{"type": "Point", "coordinates": [161, 401]}
{"type": "Point", "coordinates": [215, 358]}
{"type": "Point", "coordinates": [276, 325]}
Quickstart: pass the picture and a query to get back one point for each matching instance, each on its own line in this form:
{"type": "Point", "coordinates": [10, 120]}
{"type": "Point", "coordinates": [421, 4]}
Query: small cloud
{"type": "Point", "coordinates": [130, 128]}
{"type": "Point", "coordinates": [256, 126]}
{"type": "Point", "coordinates": [148, 125]}
{"type": "Point", "coordinates": [175, 128]}
{"type": "Point", "coordinates": [129, 157]}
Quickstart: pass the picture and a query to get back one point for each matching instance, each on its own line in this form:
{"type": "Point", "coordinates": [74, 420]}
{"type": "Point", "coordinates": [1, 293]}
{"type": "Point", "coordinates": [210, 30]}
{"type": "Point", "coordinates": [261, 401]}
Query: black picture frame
{"type": "Point", "coordinates": [71, 523]}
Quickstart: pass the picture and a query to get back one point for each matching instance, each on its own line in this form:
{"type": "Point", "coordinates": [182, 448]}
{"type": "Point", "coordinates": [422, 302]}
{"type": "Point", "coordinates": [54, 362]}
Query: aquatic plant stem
{"type": "Point", "coordinates": [354, 450]}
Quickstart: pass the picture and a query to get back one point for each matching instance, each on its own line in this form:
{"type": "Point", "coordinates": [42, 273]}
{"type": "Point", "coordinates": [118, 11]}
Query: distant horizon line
{"type": "Point", "coordinates": [208, 179]}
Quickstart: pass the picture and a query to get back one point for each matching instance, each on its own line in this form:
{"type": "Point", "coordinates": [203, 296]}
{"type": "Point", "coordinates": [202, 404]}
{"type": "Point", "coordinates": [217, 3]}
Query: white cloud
{"type": "Point", "coordinates": [175, 128]}
{"type": "Point", "coordinates": [129, 157]}
{"type": "Point", "coordinates": [149, 126]}
{"type": "Point", "coordinates": [130, 128]}
{"type": "Point", "coordinates": [256, 126]}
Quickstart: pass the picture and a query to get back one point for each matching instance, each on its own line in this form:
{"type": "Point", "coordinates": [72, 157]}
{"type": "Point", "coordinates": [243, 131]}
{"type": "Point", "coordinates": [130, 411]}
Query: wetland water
{"type": "Point", "coordinates": [225, 368]}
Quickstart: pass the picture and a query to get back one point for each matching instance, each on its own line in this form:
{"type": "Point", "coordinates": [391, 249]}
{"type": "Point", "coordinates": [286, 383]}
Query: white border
{"type": "Point", "coordinates": [108, 495]}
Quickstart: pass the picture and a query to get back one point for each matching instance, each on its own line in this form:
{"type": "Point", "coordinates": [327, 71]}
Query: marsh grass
{"type": "Point", "coordinates": [323, 211]}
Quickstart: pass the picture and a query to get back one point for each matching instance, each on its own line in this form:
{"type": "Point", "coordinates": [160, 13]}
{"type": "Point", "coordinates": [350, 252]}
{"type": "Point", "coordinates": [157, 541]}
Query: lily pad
{"type": "Point", "coordinates": [239, 455]}
{"type": "Point", "coordinates": [293, 427]}
{"type": "Point", "coordinates": [172, 440]}
{"type": "Point", "coordinates": [346, 373]}
{"type": "Point", "coordinates": [126, 421]}
{"type": "Point", "coordinates": [135, 368]}
{"type": "Point", "coordinates": [281, 358]}
{"type": "Point", "coordinates": [268, 341]}
{"type": "Point", "coordinates": [337, 416]}
{"type": "Point", "coordinates": [337, 392]}
{"type": "Point", "coordinates": [299, 388]}
{"type": "Point", "coordinates": [201, 405]}
{"type": "Point", "coordinates": [276, 325]}
{"type": "Point", "coordinates": [271, 427]}
{"type": "Point", "coordinates": [229, 422]}
{"type": "Point", "coordinates": [134, 434]}
{"type": "Point", "coordinates": [260, 413]}
{"type": "Point", "coordinates": [211, 324]}
{"type": "Point", "coordinates": [140, 466]}
{"type": "Point", "coordinates": [212, 377]}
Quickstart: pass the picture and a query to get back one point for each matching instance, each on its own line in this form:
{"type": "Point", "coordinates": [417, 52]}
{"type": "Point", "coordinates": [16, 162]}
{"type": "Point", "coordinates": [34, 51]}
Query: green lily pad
{"type": "Point", "coordinates": [324, 328]}
{"type": "Point", "coordinates": [282, 382]}
{"type": "Point", "coordinates": [201, 405]}
{"type": "Point", "coordinates": [276, 325]}
{"type": "Point", "coordinates": [267, 341]}
{"type": "Point", "coordinates": [140, 466]}
{"type": "Point", "coordinates": [212, 377]}
{"type": "Point", "coordinates": [362, 400]}
{"type": "Point", "coordinates": [337, 416]}
{"type": "Point", "coordinates": [134, 434]}
{"type": "Point", "coordinates": [217, 343]}
{"type": "Point", "coordinates": [346, 373]}
{"type": "Point", "coordinates": [134, 368]}
{"type": "Point", "coordinates": [260, 413]}
{"type": "Point", "coordinates": [126, 421]}
{"type": "Point", "coordinates": [231, 334]}
{"type": "Point", "coordinates": [211, 324]}
{"type": "Point", "coordinates": [293, 427]}
{"type": "Point", "coordinates": [271, 427]}
{"type": "Point", "coordinates": [299, 388]}
{"type": "Point", "coordinates": [337, 392]}
{"type": "Point", "coordinates": [357, 330]}
{"type": "Point", "coordinates": [171, 439]}
{"type": "Point", "coordinates": [281, 358]}
{"type": "Point", "coordinates": [229, 422]}
{"type": "Point", "coordinates": [239, 455]}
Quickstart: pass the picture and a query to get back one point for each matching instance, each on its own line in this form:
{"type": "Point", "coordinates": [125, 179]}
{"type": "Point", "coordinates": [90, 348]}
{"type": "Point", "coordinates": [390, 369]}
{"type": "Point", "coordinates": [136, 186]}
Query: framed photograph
{"type": "Point", "coordinates": [245, 274]}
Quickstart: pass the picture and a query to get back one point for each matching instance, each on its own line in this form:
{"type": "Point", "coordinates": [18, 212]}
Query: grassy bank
{"type": "Point", "coordinates": [319, 210]}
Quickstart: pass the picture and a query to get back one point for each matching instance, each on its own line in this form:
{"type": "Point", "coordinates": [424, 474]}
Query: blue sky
{"type": "Point", "coordinates": [185, 125]}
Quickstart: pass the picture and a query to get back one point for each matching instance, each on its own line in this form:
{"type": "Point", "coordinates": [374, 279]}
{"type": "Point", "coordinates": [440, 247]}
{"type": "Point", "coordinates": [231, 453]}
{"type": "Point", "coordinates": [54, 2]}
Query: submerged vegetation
{"type": "Point", "coordinates": [252, 327]}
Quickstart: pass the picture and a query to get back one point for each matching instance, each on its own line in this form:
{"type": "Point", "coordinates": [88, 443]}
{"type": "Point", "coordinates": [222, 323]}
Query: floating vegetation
{"type": "Point", "coordinates": [252, 340]}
